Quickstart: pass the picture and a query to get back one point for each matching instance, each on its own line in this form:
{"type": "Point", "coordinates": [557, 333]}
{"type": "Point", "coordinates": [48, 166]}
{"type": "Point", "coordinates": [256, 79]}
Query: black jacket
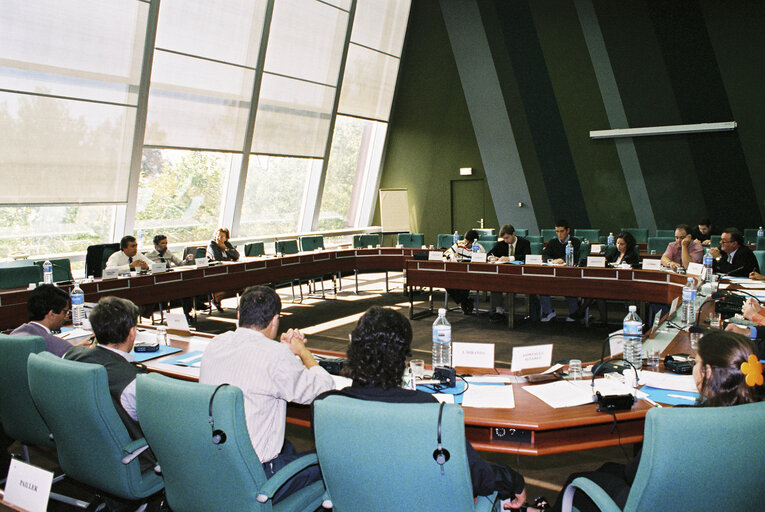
{"type": "Point", "coordinates": [502, 248]}
{"type": "Point", "coordinates": [556, 249]}
{"type": "Point", "coordinates": [632, 257]}
{"type": "Point", "coordinates": [744, 263]}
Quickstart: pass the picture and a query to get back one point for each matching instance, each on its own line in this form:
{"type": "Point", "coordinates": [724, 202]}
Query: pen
{"type": "Point", "coordinates": [652, 402]}
{"type": "Point", "coordinates": [684, 397]}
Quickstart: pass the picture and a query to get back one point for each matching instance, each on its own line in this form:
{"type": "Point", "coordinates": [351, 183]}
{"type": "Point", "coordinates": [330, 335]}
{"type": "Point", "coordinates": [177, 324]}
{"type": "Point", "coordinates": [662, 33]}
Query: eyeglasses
{"type": "Point", "coordinates": [725, 241]}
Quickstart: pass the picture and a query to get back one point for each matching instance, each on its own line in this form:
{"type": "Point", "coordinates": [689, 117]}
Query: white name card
{"type": "Point", "coordinates": [651, 264]}
{"type": "Point", "coordinates": [28, 487]}
{"type": "Point", "coordinates": [534, 356]}
{"type": "Point", "coordinates": [478, 257]}
{"type": "Point", "coordinates": [474, 355]}
{"type": "Point", "coordinates": [595, 248]}
{"type": "Point", "coordinates": [435, 256]}
{"type": "Point", "coordinates": [202, 262]}
{"type": "Point", "coordinates": [534, 259]}
{"type": "Point", "coordinates": [111, 273]}
{"type": "Point", "coordinates": [158, 268]}
{"type": "Point", "coordinates": [695, 269]}
{"type": "Point", "coordinates": [177, 323]}
{"type": "Point", "coordinates": [596, 261]}
{"type": "Point", "coordinates": [673, 307]}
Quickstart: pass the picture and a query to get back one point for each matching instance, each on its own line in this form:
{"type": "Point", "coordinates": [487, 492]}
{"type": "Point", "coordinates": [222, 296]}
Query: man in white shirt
{"type": "Point", "coordinates": [270, 373]}
{"type": "Point", "coordinates": [128, 258]}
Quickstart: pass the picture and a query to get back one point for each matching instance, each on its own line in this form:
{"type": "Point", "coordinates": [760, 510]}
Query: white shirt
{"type": "Point", "coordinates": [120, 261]}
{"type": "Point", "coordinates": [269, 375]}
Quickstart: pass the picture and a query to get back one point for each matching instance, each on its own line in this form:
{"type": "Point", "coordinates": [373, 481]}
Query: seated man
{"type": "Point", "coordinates": [269, 375]}
{"type": "Point", "coordinates": [463, 251]}
{"type": "Point", "coordinates": [128, 258]}
{"type": "Point", "coordinates": [556, 251]}
{"type": "Point", "coordinates": [380, 344]}
{"type": "Point", "coordinates": [48, 308]}
{"type": "Point", "coordinates": [509, 247]}
{"type": "Point", "coordinates": [114, 323]}
{"type": "Point", "coordinates": [734, 258]}
{"type": "Point", "coordinates": [683, 250]}
{"type": "Point", "coordinates": [704, 231]}
{"type": "Point", "coordinates": [161, 254]}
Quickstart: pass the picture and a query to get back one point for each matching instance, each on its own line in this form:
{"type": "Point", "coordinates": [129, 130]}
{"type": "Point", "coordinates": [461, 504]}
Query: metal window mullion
{"type": "Point", "coordinates": [250, 133]}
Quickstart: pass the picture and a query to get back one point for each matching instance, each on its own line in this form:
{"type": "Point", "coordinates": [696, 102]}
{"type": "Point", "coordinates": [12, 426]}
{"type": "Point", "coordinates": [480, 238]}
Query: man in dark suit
{"type": "Point", "coordinates": [509, 248]}
{"type": "Point", "coordinates": [48, 308]}
{"type": "Point", "coordinates": [556, 251]}
{"type": "Point", "coordinates": [734, 258]}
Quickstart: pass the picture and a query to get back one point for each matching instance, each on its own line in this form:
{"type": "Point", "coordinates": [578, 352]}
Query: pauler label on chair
{"type": "Point", "coordinates": [28, 487]}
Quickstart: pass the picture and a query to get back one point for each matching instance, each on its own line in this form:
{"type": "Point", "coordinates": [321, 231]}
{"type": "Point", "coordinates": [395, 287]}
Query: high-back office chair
{"type": "Point", "coordinates": [522, 232]}
{"type": "Point", "coordinates": [486, 244]}
{"type": "Point", "coordinates": [687, 450]}
{"type": "Point", "coordinates": [584, 251]}
{"type": "Point", "coordinates": [366, 240]}
{"type": "Point", "coordinates": [19, 277]}
{"type": "Point", "coordinates": [411, 240]}
{"type": "Point", "coordinates": [286, 246]}
{"type": "Point", "coordinates": [200, 475]}
{"type": "Point", "coordinates": [311, 243]}
{"type": "Point", "coordinates": [96, 256]}
{"type": "Point", "coordinates": [750, 235]}
{"type": "Point", "coordinates": [760, 244]}
{"type": "Point", "coordinates": [534, 238]}
{"type": "Point", "coordinates": [391, 448]}
{"type": "Point", "coordinates": [640, 234]}
{"type": "Point", "coordinates": [93, 445]}
{"type": "Point", "coordinates": [760, 255]}
{"type": "Point", "coordinates": [254, 249]}
{"type": "Point", "coordinates": [536, 247]}
{"type": "Point", "coordinates": [547, 234]}
{"type": "Point", "coordinates": [659, 243]}
{"type": "Point", "coordinates": [62, 269]}
{"type": "Point", "coordinates": [665, 233]}
{"type": "Point", "coordinates": [445, 241]}
{"type": "Point", "coordinates": [714, 240]}
{"type": "Point", "coordinates": [591, 235]}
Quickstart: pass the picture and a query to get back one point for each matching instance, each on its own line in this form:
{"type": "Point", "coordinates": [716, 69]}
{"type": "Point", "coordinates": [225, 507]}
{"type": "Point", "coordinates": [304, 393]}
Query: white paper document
{"type": "Point", "coordinates": [444, 398]}
{"type": "Point", "coordinates": [752, 284]}
{"type": "Point", "coordinates": [669, 381]}
{"type": "Point", "coordinates": [562, 393]}
{"type": "Point", "coordinates": [500, 397]}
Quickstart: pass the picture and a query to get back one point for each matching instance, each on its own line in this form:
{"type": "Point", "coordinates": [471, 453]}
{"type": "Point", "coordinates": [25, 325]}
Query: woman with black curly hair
{"type": "Point", "coordinates": [377, 354]}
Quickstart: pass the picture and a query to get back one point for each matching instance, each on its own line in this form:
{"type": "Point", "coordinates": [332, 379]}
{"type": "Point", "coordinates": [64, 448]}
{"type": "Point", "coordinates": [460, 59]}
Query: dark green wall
{"type": "Point", "coordinates": [676, 62]}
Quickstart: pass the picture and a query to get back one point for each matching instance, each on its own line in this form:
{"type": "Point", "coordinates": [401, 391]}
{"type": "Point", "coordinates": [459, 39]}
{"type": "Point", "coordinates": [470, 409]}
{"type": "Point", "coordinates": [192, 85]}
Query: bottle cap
{"type": "Point", "coordinates": [441, 311]}
{"type": "Point", "coordinates": [633, 308]}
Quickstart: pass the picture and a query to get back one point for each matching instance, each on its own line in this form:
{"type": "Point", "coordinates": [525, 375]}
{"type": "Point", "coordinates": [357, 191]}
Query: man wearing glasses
{"type": "Point", "coordinates": [684, 250]}
{"type": "Point", "coordinates": [48, 308]}
{"type": "Point", "coordinates": [734, 258]}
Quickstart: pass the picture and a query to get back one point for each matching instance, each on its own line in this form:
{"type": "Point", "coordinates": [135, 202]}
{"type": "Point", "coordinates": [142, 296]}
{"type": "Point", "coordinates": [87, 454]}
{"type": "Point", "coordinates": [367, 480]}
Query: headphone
{"type": "Point", "coordinates": [440, 454]}
{"type": "Point", "coordinates": [218, 436]}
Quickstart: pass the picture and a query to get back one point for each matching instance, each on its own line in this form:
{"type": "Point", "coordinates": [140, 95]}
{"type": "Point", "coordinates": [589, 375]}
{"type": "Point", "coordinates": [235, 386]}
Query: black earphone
{"type": "Point", "coordinates": [440, 454]}
{"type": "Point", "coordinates": [218, 436]}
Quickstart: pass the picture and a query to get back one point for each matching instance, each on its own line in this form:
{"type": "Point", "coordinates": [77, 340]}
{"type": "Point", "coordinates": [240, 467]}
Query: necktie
{"type": "Point", "coordinates": [130, 260]}
{"type": "Point", "coordinates": [512, 250]}
{"type": "Point", "coordinates": [730, 258]}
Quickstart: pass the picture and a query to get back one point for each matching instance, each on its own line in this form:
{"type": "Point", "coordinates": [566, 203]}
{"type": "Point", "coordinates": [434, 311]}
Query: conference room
{"type": "Point", "coordinates": [343, 144]}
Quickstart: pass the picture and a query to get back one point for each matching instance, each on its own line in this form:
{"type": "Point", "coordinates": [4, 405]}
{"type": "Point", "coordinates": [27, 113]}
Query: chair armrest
{"type": "Point", "coordinates": [134, 449]}
{"type": "Point", "coordinates": [603, 501]}
{"type": "Point", "coordinates": [273, 484]}
{"type": "Point", "coordinates": [487, 503]}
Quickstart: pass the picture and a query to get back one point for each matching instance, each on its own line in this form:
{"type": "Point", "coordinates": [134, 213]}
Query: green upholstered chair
{"type": "Point", "coordinates": [445, 241]}
{"type": "Point", "coordinates": [254, 249]}
{"type": "Point", "coordinates": [522, 232]}
{"type": "Point", "coordinates": [760, 255]}
{"type": "Point", "coordinates": [411, 240]}
{"type": "Point", "coordinates": [365, 240]}
{"type": "Point", "coordinates": [95, 260]}
{"type": "Point", "coordinates": [311, 243]}
{"type": "Point", "coordinates": [714, 240]}
{"type": "Point", "coordinates": [201, 476]}
{"type": "Point", "coordinates": [93, 444]}
{"type": "Point", "coordinates": [640, 234]}
{"type": "Point", "coordinates": [665, 232]}
{"type": "Point", "coordinates": [536, 247]}
{"type": "Point", "coordinates": [21, 419]}
{"type": "Point", "coordinates": [761, 243]}
{"type": "Point", "coordinates": [62, 269]}
{"type": "Point", "coordinates": [487, 244]}
{"type": "Point", "coordinates": [584, 251]}
{"type": "Point", "coordinates": [488, 238]}
{"type": "Point", "coordinates": [591, 235]}
{"type": "Point", "coordinates": [534, 238]}
{"type": "Point", "coordinates": [659, 243]}
{"type": "Point", "coordinates": [391, 446]}
{"type": "Point", "coordinates": [547, 234]}
{"type": "Point", "coordinates": [19, 277]}
{"type": "Point", "coordinates": [750, 235]}
{"type": "Point", "coordinates": [286, 246]}
{"type": "Point", "coordinates": [687, 452]}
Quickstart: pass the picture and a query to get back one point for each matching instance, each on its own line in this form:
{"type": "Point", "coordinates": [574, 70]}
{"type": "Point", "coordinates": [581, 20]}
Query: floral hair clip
{"type": "Point", "coordinates": [753, 371]}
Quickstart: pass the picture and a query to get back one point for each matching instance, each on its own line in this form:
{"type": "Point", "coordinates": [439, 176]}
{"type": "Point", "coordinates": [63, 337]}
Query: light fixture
{"type": "Point", "coordinates": [466, 171]}
{"type": "Point", "coordinates": [663, 130]}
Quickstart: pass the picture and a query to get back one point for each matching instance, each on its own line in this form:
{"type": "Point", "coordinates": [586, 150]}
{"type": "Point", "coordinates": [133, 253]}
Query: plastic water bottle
{"type": "Point", "coordinates": [760, 232]}
{"type": "Point", "coordinates": [78, 305]}
{"type": "Point", "coordinates": [610, 240]}
{"type": "Point", "coordinates": [569, 254]}
{"type": "Point", "coordinates": [456, 238]}
{"type": "Point", "coordinates": [689, 303]}
{"type": "Point", "coordinates": [47, 272]}
{"type": "Point", "coordinates": [475, 247]}
{"type": "Point", "coordinates": [632, 328]}
{"type": "Point", "coordinates": [442, 340]}
{"type": "Point", "coordinates": [708, 262]}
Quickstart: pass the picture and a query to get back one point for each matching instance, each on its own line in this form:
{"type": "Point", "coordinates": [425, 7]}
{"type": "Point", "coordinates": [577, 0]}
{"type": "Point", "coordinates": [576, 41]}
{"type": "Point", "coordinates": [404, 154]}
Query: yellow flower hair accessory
{"type": "Point", "coordinates": [753, 371]}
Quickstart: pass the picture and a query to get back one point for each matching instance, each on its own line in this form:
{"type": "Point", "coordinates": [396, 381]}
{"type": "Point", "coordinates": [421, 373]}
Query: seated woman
{"type": "Point", "coordinates": [380, 344]}
{"type": "Point", "coordinates": [720, 382]}
{"type": "Point", "coordinates": [220, 249]}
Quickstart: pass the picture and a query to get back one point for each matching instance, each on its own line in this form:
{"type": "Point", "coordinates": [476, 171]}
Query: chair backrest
{"type": "Point", "coordinates": [412, 240]}
{"type": "Point", "coordinates": [522, 232]}
{"type": "Point", "coordinates": [254, 249]}
{"type": "Point", "coordinates": [536, 247]}
{"type": "Point", "coordinates": [379, 456]}
{"type": "Point", "coordinates": [665, 232]}
{"type": "Point", "coordinates": [62, 269]}
{"type": "Point", "coordinates": [591, 235]}
{"type": "Point", "coordinates": [311, 243]}
{"type": "Point", "coordinates": [760, 243]}
{"type": "Point", "coordinates": [486, 244]}
{"type": "Point", "coordinates": [684, 449]}
{"type": "Point", "coordinates": [365, 240]}
{"type": "Point", "coordinates": [750, 235]}
{"type": "Point", "coordinates": [760, 255]}
{"type": "Point", "coordinates": [445, 240]}
{"type": "Point", "coordinates": [95, 260]}
{"type": "Point", "coordinates": [286, 246]}
{"type": "Point", "coordinates": [714, 240]}
{"type": "Point", "coordinates": [21, 420]}
{"type": "Point", "coordinates": [73, 399]}
{"type": "Point", "coordinates": [194, 250]}
{"type": "Point", "coordinates": [584, 251]}
{"type": "Point", "coordinates": [199, 475]}
{"type": "Point", "coordinates": [547, 234]}
{"type": "Point", "coordinates": [534, 238]}
{"type": "Point", "coordinates": [20, 277]}
{"type": "Point", "coordinates": [640, 234]}
{"type": "Point", "coordinates": [659, 243]}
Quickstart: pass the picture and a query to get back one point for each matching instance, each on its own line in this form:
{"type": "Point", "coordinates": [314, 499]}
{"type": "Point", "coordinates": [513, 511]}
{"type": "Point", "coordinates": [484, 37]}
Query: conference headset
{"type": "Point", "coordinates": [440, 454]}
{"type": "Point", "coordinates": [218, 436]}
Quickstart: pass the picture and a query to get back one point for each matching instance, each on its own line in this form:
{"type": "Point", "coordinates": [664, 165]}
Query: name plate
{"type": "Point", "coordinates": [596, 261]}
{"type": "Point", "coordinates": [474, 355]}
{"type": "Point", "coordinates": [534, 356]}
{"type": "Point", "coordinates": [595, 249]}
{"type": "Point", "coordinates": [201, 262]}
{"type": "Point", "coordinates": [478, 257]}
{"type": "Point", "coordinates": [534, 259]}
{"type": "Point", "coordinates": [158, 268]}
{"type": "Point", "coordinates": [110, 273]}
{"type": "Point", "coordinates": [27, 487]}
{"type": "Point", "coordinates": [695, 269]}
{"type": "Point", "coordinates": [651, 264]}
{"type": "Point", "coordinates": [435, 256]}
{"type": "Point", "coordinates": [177, 324]}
